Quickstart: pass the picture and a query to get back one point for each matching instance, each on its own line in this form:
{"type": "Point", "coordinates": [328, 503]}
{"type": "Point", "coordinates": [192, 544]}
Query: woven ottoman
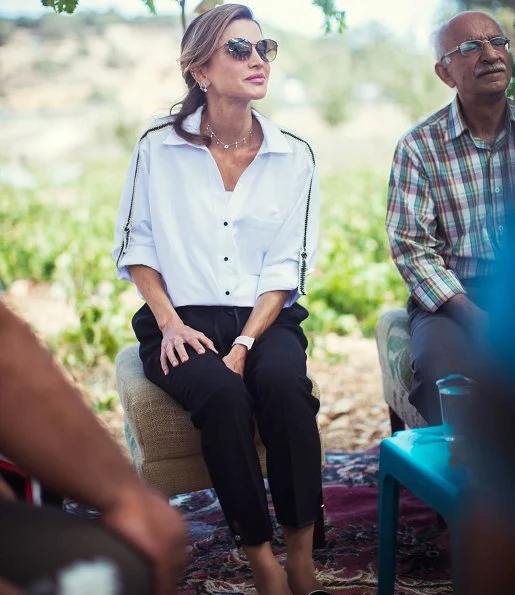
{"type": "Point", "coordinates": [164, 444]}
{"type": "Point", "coordinates": [393, 346]}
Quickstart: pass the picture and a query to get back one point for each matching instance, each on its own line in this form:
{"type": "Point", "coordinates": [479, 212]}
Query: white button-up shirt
{"type": "Point", "coordinates": [212, 247]}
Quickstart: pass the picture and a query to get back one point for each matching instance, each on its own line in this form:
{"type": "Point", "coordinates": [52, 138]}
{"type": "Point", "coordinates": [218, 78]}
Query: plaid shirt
{"type": "Point", "coordinates": [446, 215]}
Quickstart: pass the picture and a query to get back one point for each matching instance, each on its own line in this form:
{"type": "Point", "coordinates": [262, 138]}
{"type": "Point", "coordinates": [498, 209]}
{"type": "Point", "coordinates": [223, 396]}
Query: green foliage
{"type": "Point", "coordinates": [332, 16]}
{"type": "Point", "coordinates": [60, 6]}
{"type": "Point", "coordinates": [25, 250]}
{"type": "Point", "coordinates": [511, 87]}
{"type": "Point", "coordinates": [355, 279]}
{"type": "Point", "coordinates": [107, 403]}
{"type": "Point", "coordinates": [44, 240]}
{"type": "Point", "coordinates": [150, 5]}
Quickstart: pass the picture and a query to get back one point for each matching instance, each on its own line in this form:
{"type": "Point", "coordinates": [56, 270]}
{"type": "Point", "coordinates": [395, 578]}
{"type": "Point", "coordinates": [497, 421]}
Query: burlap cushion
{"type": "Point", "coordinates": [165, 445]}
{"type": "Point", "coordinates": [393, 345]}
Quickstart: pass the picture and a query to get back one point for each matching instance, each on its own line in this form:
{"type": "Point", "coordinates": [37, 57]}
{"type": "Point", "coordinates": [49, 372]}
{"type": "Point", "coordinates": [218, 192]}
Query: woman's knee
{"type": "Point", "coordinates": [224, 401]}
{"type": "Point", "coordinates": [282, 383]}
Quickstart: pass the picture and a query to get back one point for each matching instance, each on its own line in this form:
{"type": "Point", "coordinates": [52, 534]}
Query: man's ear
{"type": "Point", "coordinates": [443, 74]}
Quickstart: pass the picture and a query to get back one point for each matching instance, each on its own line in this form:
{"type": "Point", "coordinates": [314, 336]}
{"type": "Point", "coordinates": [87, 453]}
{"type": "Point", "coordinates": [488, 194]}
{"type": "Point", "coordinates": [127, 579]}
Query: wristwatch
{"type": "Point", "coordinates": [244, 340]}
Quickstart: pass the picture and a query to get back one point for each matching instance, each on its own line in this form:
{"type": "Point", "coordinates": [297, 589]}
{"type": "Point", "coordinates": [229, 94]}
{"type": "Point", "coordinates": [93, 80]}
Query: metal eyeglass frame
{"type": "Point", "coordinates": [463, 51]}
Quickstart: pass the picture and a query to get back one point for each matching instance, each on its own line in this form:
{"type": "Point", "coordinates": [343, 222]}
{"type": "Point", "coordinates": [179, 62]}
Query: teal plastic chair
{"type": "Point", "coordinates": [419, 460]}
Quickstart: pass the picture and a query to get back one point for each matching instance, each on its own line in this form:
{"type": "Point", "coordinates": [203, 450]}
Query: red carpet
{"type": "Point", "coordinates": [348, 563]}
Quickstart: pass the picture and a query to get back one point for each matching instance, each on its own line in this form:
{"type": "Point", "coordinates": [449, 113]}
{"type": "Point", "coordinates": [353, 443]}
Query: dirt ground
{"type": "Point", "coordinates": [353, 415]}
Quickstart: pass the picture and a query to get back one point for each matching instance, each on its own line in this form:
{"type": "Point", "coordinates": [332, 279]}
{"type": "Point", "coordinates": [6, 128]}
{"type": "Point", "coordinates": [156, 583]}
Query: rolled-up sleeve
{"type": "Point", "coordinates": [411, 225]}
{"type": "Point", "coordinates": [134, 243]}
{"type": "Point", "coordinates": [282, 261]}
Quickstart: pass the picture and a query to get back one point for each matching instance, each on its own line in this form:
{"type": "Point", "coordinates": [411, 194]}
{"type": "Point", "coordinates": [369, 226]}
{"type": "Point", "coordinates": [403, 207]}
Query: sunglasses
{"type": "Point", "coordinates": [467, 48]}
{"type": "Point", "coordinates": [241, 49]}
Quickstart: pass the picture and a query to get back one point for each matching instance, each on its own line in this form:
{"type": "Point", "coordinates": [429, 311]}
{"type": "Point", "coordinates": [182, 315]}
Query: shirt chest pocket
{"type": "Point", "coordinates": [254, 236]}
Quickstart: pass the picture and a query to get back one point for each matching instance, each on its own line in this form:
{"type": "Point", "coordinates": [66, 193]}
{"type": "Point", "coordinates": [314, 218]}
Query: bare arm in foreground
{"type": "Point", "coordinates": [48, 430]}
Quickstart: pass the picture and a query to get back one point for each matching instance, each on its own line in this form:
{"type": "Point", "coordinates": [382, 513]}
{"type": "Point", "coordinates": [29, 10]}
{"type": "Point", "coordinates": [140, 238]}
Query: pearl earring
{"type": "Point", "coordinates": [203, 87]}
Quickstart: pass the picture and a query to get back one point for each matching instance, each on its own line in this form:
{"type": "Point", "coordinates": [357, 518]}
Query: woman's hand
{"type": "Point", "coordinates": [235, 359]}
{"type": "Point", "coordinates": [175, 336]}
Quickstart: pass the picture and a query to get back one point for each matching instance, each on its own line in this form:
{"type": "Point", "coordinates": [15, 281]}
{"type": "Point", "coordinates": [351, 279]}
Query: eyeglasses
{"type": "Point", "coordinates": [241, 49]}
{"type": "Point", "coordinates": [467, 48]}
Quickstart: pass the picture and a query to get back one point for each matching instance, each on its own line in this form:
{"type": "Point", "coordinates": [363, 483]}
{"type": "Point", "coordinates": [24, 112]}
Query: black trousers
{"type": "Point", "coordinates": [37, 545]}
{"type": "Point", "coordinates": [275, 393]}
{"type": "Point", "coordinates": [441, 346]}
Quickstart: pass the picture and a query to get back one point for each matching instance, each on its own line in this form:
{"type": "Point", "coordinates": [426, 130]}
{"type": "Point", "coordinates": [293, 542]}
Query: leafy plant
{"type": "Point", "coordinates": [355, 279]}
{"type": "Point", "coordinates": [332, 16]}
{"type": "Point", "coordinates": [59, 6]}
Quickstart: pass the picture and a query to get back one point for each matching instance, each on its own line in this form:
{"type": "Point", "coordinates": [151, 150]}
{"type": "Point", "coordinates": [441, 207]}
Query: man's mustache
{"type": "Point", "coordinates": [500, 67]}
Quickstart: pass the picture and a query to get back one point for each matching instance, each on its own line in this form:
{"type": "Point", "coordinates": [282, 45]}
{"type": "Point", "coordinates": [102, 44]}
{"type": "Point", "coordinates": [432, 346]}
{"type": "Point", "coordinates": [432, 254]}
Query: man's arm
{"type": "Point", "coordinates": [411, 226]}
{"type": "Point", "coordinates": [472, 318]}
{"type": "Point", "coordinates": [47, 429]}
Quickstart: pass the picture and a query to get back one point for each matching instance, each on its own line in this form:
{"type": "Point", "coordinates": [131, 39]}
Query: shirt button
{"type": "Point", "coordinates": [227, 292]}
{"type": "Point", "coordinates": [225, 258]}
{"type": "Point", "coordinates": [501, 228]}
{"type": "Point", "coordinates": [497, 189]}
{"type": "Point", "coordinates": [226, 223]}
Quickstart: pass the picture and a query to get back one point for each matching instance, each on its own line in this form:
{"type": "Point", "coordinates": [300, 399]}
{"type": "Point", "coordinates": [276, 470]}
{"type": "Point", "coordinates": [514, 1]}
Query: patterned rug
{"type": "Point", "coordinates": [348, 563]}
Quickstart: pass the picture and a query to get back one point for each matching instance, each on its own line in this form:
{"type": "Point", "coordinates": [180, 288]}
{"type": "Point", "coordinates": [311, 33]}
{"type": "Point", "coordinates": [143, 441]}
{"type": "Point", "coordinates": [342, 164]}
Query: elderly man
{"type": "Point", "coordinates": [449, 189]}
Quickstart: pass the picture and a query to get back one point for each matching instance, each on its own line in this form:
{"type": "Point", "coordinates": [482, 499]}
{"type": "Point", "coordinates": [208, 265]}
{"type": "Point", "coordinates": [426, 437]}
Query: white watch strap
{"type": "Point", "coordinates": [244, 340]}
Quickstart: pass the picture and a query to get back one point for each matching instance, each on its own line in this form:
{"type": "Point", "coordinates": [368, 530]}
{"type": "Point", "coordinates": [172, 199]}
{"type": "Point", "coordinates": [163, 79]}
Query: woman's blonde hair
{"type": "Point", "coordinates": [199, 43]}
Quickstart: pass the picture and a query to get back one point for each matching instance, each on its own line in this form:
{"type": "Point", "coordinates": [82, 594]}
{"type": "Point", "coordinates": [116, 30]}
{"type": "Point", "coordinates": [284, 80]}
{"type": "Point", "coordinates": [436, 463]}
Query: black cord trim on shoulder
{"type": "Point", "coordinates": [128, 226]}
{"type": "Point", "coordinates": [303, 254]}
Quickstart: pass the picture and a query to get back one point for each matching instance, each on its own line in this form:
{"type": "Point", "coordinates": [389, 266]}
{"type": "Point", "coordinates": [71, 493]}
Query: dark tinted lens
{"type": "Point", "coordinates": [467, 47]}
{"type": "Point", "coordinates": [267, 49]}
{"type": "Point", "coordinates": [241, 49]}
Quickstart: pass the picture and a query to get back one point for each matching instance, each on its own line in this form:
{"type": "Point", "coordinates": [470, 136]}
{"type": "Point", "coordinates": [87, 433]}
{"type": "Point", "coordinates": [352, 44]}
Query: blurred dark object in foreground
{"type": "Point", "coordinates": [26, 488]}
{"type": "Point", "coordinates": [488, 532]}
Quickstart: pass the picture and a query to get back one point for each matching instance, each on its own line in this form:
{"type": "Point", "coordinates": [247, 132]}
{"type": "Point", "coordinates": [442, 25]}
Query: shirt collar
{"type": "Point", "coordinates": [456, 124]}
{"type": "Point", "coordinates": [274, 140]}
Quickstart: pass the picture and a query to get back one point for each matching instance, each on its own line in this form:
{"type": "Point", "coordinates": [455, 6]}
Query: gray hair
{"type": "Point", "coordinates": [437, 41]}
{"type": "Point", "coordinates": [438, 35]}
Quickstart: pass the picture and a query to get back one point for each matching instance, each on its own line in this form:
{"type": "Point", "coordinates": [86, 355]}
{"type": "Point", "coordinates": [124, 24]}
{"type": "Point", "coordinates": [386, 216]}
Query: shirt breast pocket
{"type": "Point", "coordinates": [254, 236]}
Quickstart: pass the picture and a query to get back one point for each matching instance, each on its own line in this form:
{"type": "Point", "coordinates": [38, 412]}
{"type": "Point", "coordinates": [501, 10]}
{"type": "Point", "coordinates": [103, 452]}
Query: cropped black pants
{"type": "Point", "coordinates": [275, 393]}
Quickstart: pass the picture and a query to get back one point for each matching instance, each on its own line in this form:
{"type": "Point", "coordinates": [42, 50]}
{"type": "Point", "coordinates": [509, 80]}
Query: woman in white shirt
{"type": "Point", "coordinates": [217, 228]}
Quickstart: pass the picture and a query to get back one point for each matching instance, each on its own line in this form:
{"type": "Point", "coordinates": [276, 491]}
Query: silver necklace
{"type": "Point", "coordinates": [235, 144]}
